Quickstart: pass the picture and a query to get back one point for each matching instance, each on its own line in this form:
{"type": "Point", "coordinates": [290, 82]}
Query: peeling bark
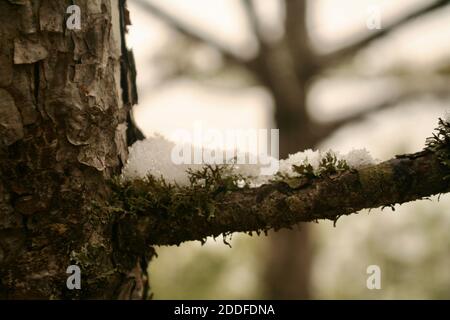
{"type": "Point", "coordinates": [62, 134]}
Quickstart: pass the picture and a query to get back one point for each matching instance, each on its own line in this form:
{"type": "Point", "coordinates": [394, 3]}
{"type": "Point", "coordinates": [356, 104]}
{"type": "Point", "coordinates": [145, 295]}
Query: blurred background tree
{"type": "Point", "coordinates": [316, 71]}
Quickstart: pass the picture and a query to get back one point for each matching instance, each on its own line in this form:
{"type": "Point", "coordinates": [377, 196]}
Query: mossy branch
{"type": "Point", "coordinates": [216, 203]}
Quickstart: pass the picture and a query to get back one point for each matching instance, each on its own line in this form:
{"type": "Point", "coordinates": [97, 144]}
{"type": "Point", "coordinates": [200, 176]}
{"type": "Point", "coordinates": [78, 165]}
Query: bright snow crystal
{"type": "Point", "coordinates": [358, 158]}
{"type": "Point", "coordinates": [152, 156]}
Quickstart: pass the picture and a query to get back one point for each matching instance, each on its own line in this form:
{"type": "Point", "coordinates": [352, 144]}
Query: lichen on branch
{"type": "Point", "coordinates": [219, 201]}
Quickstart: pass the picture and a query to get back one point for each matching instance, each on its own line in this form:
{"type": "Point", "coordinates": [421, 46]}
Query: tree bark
{"type": "Point", "coordinates": [64, 100]}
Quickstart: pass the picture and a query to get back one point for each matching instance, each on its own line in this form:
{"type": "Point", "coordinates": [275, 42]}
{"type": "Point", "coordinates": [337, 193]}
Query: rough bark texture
{"type": "Point", "coordinates": [280, 205]}
{"type": "Point", "coordinates": [62, 134]}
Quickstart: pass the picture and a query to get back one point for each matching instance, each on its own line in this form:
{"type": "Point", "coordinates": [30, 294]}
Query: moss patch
{"type": "Point", "coordinates": [439, 143]}
{"type": "Point", "coordinates": [136, 197]}
{"type": "Point", "coordinates": [305, 173]}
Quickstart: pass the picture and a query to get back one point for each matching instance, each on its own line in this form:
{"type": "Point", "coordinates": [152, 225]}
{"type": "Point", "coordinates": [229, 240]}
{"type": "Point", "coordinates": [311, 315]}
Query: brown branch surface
{"type": "Point", "coordinates": [277, 205]}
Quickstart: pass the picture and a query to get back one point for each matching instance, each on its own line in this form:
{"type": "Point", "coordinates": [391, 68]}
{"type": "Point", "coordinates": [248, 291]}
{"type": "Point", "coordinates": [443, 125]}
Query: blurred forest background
{"type": "Point", "coordinates": [321, 73]}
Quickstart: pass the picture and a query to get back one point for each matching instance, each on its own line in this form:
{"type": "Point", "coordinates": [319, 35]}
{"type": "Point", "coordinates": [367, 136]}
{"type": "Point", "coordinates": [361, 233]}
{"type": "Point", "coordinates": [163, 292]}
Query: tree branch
{"type": "Point", "coordinates": [277, 205]}
{"type": "Point", "coordinates": [345, 52]}
{"type": "Point", "coordinates": [253, 20]}
{"type": "Point", "coordinates": [437, 88]}
{"type": "Point", "coordinates": [297, 38]}
{"type": "Point", "coordinates": [189, 31]}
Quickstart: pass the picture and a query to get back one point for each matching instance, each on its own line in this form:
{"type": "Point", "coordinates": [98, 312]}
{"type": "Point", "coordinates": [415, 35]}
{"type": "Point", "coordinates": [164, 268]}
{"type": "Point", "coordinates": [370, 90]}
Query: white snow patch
{"type": "Point", "coordinates": [311, 156]}
{"type": "Point", "coordinates": [355, 159]}
{"type": "Point", "coordinates": [152, 156]}
{"type": "Point", "coordinates": [447, 116]}
{"type": "Point", "coordinates": [358, 158]}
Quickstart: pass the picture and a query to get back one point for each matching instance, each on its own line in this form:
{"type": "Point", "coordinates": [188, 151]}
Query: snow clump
{"type": "Point", "coordinates": [152, 156]}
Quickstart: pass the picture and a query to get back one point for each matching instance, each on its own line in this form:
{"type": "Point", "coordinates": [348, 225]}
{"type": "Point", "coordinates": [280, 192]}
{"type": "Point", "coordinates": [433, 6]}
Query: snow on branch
{"type": "Point", "coordinates": [309, 186]}
{"type": "Point", "coordinates": [155, 156]}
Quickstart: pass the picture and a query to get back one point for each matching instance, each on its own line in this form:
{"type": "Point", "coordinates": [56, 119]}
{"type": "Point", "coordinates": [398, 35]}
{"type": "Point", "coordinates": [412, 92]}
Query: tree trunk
{"type": "Point", "coordinates": [64, 99]}
{"type": "Point", "coordinates": [287, 274]}
{"type": "Point", "coordinates": [289, 264]}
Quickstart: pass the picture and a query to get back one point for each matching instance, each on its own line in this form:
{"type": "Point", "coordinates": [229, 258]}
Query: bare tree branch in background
{"type": "Point", "coordinates": [347, 51]}
{"type": "Point", "coordinates": [255, 24]}
{"type": "Point", "coordinates": [438, 91]}
{"type": "Point", "coordinates": [189, 31]}
{"type": "Point", "coordinates": [297, 38]}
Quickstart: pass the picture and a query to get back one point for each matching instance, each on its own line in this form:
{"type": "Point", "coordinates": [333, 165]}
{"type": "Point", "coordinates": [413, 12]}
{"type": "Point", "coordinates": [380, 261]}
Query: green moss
{"type": "Point", "coordinates": [370, 179]}
{"type": "Point", "coordinates": [137, 197]}
{"type": "Point", "coordinates": [329, 165]}
{"type": "Point", "coordinates": [439, 143]}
